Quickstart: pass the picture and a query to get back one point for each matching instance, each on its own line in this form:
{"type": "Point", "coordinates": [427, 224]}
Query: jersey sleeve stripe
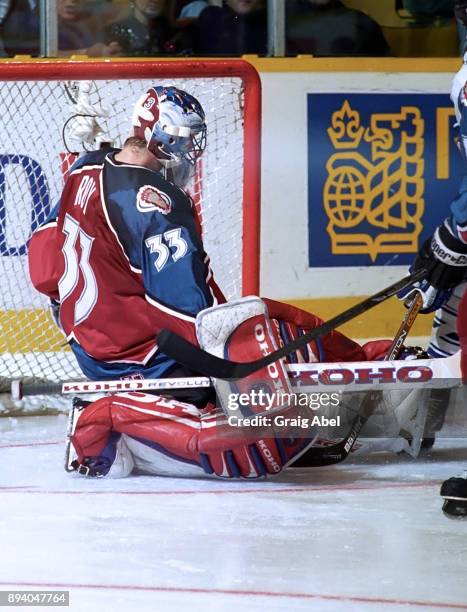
{"type": "Point", "coordinates": [170, 311]}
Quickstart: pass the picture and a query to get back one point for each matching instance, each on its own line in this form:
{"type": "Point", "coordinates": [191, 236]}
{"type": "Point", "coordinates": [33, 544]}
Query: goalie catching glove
{"type": "Point", "coordinates": [445, 257]}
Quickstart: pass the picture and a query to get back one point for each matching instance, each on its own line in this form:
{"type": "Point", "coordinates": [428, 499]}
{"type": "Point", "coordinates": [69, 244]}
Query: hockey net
{"type": "Point", "coordinates": [38, 102]}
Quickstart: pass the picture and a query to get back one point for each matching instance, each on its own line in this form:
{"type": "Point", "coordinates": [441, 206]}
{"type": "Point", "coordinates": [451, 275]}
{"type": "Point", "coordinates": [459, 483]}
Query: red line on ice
{"type": "Point", "coordinates": [306, 489]}
{"type": "Point", "coordinates": [239, 592]}
{"type": "Point", "coordinates": [23, 444]}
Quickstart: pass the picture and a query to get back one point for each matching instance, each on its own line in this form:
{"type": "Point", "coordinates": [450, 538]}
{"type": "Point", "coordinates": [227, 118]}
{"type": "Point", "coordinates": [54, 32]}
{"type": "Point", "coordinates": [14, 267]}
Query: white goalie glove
{"type": "Point", "coordinates": [83, 126]}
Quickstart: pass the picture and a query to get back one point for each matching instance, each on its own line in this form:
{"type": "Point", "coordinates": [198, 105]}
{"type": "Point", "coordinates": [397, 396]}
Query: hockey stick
{"type": "Point", "coordinates": [320, 456]}
{"type": "Point", "coordinates": [19, 389]}
{"type": "Point", "coordinates": [200, 361]}
{"type": "Point", "coordinates": [305, 378]}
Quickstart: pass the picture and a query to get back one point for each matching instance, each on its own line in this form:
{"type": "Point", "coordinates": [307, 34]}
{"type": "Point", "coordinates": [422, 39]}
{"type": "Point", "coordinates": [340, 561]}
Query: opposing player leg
{"type": "Point", "coordinates": [454, 490]}
{"type": "Point", "coordinates": [444, 337]}
{"type": "Point", "coordinates": [444, 342]}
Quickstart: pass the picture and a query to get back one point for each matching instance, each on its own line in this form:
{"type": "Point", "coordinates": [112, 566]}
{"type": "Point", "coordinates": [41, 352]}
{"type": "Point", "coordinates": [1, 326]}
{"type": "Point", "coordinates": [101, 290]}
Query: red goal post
{"type": "Point", "coordinates": [35, 111]}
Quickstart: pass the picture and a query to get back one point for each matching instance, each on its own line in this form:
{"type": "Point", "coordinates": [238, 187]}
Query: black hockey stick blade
{"type": "Point", "coordinates": [204, 363]}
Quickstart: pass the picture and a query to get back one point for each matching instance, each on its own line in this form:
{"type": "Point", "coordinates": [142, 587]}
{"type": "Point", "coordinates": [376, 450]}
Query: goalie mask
{"type": "Point", "coordinates": [172, 123]}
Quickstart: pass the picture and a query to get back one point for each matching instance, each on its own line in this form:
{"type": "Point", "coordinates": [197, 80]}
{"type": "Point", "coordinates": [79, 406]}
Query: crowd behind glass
{"type": "Point", "coordinates": [233, 27]}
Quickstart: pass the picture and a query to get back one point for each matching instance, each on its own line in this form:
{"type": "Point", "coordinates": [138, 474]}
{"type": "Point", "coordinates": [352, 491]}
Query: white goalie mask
{"type": "Point", "coordinates": [172, 122]}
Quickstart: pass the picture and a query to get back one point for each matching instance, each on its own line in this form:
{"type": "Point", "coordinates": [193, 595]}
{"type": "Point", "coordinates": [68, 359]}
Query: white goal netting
{"type": "Point", "coordinates": [34, 162]}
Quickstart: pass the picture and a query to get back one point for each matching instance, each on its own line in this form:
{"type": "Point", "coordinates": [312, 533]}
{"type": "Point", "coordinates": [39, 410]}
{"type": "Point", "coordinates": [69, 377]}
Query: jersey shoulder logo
{"type": "Point", "coordinates": [150, 199]}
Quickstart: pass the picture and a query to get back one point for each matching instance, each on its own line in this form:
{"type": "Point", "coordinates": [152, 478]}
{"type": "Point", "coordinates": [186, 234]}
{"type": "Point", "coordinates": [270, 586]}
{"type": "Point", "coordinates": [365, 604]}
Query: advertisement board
{"type": "Point", "coordinates": [382, 170]}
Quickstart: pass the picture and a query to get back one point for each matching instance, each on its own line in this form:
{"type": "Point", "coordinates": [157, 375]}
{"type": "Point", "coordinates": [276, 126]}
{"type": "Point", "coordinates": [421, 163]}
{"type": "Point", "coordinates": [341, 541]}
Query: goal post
{"type": "Point", "coordinates": [36, 153]}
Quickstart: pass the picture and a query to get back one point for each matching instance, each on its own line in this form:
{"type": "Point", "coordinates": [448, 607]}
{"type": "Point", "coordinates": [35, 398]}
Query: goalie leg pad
{"type": "Point", "coordinates": [241, 331]}
{"type": "Point", "coordinates": [167, 437]}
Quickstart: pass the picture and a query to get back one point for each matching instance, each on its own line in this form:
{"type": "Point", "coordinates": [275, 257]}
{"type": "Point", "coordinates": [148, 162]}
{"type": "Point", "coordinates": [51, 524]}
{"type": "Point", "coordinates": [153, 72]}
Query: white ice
{"type": "Point", "coordinates": [365, 535]}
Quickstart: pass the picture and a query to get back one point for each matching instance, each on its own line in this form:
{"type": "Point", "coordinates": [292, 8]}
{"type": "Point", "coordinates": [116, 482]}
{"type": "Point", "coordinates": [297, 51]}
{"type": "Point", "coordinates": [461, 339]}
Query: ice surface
{"type": "Point", "coordinates": [363, 536]}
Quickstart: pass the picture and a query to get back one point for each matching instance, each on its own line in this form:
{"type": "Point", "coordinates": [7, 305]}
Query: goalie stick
{"type": "Point", "coordinates": [200, 361]}
{"type": "Point", "coordinates": [20, 389]}
{"type": "Point", "coordinates": [305, 377]}
{"type": "Point", "coordinates": [335, 453]}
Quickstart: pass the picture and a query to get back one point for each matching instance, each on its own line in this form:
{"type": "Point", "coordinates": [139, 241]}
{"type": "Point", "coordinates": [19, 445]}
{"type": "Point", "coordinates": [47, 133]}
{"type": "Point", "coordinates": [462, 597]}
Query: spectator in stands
{"type": "Point", "coordinates": [20, 28]}
{"type": "Point", "coordinates": [75, 36]}
{"type": "Point", "coordinates": [329, 28]}
{"type": "Point", "coordinates": [145, 30]}
{"type": "Point", "coordinates": [235, 28]}
{"type": "Point", "coordinates": [190, 11]}
{"type": "Point", "coordinates": [4, 8]}
{"type": "Point", "coordinates": [183, 17]}
{"type": "Point", "coordinates": [435, 12]}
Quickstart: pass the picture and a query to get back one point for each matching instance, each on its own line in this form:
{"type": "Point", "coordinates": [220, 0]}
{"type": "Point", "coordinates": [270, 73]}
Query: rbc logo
{"type": "Point", "coordinates": [24, 202]}
{"type": "Point", "coordinates": [380, 169]}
